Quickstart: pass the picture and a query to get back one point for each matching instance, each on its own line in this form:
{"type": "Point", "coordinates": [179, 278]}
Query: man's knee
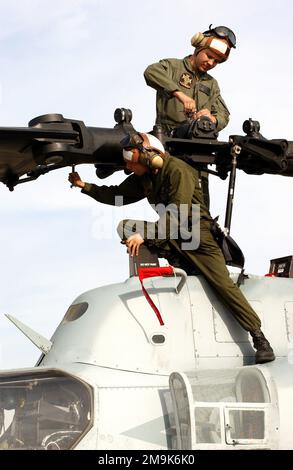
{"type": "Point", "coordinates": [128, 227]}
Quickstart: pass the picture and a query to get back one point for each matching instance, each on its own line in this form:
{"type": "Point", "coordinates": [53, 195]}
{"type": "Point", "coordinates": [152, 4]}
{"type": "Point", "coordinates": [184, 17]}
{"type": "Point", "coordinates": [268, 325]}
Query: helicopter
{"type": "Point", "coordinates": [113, 376]}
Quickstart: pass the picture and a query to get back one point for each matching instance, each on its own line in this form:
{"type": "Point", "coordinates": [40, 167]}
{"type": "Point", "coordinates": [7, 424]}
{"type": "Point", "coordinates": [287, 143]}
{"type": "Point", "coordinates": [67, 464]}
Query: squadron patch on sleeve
{"type": "Point", "coordinates": [185, 80]}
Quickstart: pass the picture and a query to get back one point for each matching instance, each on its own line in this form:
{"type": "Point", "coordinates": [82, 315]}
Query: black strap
{"type": "Point", "coordinates": [232, 252]}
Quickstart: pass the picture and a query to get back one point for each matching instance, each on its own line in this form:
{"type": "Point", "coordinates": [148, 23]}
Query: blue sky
{"type": "Point", "coordinates": [84, 58]}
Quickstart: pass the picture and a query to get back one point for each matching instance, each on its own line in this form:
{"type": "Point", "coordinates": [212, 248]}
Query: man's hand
{"type": "Point", "coordinates": [207, 113]}
{"type": "Point", "coordinates": [188, 103]}
{"type": "Point", "coordinates": [75, 180]}
{"type": "Point", "coordinates": [133, 243]}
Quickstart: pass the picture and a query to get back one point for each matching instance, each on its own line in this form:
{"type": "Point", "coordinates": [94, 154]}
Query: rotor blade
{"type": "Point", "coordinates": [52, 142]}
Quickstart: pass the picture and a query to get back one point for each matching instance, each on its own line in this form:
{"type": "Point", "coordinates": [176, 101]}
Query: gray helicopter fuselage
{"type": "Point", "coordinates": [133, 372]}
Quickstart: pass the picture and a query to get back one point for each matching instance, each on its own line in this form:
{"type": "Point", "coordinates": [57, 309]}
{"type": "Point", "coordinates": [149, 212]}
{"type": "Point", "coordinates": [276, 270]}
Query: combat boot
{"type": "Point", "coordinates": [264, 352]}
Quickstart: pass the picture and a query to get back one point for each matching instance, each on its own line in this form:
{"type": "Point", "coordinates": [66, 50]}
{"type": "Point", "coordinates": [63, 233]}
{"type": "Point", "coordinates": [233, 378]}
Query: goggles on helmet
{"type": "Point", "coordinates": [222, 32]}
{"type": "Point", "coordinates": [132, 141]}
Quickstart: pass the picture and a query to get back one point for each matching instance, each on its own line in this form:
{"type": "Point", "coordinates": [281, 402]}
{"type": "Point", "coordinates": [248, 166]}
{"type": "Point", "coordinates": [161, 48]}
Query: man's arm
{"type": "Point", "coordinates": [159, 77]}
{"type": "Point", "coordinates": [130, 190]}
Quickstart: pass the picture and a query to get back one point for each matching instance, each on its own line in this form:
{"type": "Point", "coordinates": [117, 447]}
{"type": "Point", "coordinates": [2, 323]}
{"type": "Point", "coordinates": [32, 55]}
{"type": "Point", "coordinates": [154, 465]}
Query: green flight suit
{"type": "Point", "coordinates": [177, 183]}
{"type": "Point", "coordinates": [170, 75]}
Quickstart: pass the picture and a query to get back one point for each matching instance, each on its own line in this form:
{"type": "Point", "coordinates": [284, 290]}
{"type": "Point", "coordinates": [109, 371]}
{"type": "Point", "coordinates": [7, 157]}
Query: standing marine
{"type": "Point", "coordinates": [185, 90]}
{"type": "Point", "coordinates": [170, 182]}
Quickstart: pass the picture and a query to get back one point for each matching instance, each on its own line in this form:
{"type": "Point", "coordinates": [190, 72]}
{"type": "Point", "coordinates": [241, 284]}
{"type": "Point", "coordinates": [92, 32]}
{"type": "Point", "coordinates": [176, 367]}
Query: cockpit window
{"type": "Point", "coordinates": [75, 311]}
{"type": "Point", "coordinates": [47, 410]}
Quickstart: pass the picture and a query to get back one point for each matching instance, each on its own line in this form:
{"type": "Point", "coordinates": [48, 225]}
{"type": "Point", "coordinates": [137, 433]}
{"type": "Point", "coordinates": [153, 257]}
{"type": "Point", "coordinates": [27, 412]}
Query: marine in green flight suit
{"type": "Point", "coordinates": [186, 91]}
{"type": "Point", "coordinates": [179, 75]}
{"type": "Point", "coordinates": [168, 181]}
